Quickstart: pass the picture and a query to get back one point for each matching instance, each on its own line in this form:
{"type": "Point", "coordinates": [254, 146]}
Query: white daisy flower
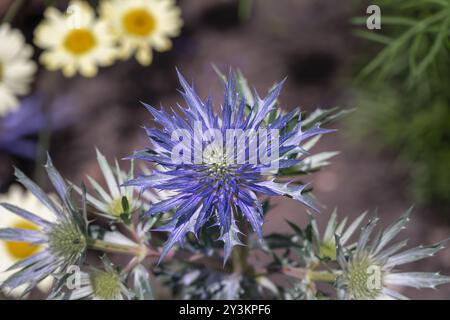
{"type": "Point", "coordinates": [16, 68]}
{"type": "Point", "coordinates": [141, 25]}
{"type": "Point", "coordinates": [75, 41]}
{"type": "Point", "coordinates": [12, 252]}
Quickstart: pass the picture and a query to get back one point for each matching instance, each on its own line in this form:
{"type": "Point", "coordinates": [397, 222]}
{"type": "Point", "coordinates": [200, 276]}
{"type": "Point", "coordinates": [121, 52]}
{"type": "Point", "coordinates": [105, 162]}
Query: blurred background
{"type": "Point", "coordinates": [394, 148]}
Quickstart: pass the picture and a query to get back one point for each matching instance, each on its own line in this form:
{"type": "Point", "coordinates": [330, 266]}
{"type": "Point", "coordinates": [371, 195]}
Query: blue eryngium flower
{"type": "Point", "coordinates": [18, 127]}
{"type": "Point", "coordinates": [217, 189]}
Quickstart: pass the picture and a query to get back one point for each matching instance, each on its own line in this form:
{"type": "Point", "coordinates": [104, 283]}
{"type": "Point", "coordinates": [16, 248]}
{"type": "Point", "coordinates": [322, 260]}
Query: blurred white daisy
{"type": "Point", "coordinates": [12, 252]}
{"type": "Point", "coordinates": [142, 25]}
{"type": "Point", "coordinates": [75, 41]}
{"type": "Point", "coordinates": [16, 68]}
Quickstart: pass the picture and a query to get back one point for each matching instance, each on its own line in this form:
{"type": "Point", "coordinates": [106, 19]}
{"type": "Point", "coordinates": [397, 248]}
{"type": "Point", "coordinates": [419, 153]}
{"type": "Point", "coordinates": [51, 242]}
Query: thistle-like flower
{"type": "Point", "coordinates": [325, 247]}
{"type": "Point", "coordinates": [106, 284]}
{"type": "Point", "coordinates": [63, 239]}
{"type": "Point", "coordinates": [12, 252]}
{"type": "Point", "coordinates": [219, 182]}
{"type": "Point", "coordinates": [369, 271]}
{"type": "Point", "coordinates": [117, 201]}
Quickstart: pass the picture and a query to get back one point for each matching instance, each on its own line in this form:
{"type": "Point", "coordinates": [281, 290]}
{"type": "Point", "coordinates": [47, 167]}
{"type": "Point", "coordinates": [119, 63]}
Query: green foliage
{"type": "Point", "coordinates": [415, 35]}
{"type": "Point", "coordinates": [403, 92]}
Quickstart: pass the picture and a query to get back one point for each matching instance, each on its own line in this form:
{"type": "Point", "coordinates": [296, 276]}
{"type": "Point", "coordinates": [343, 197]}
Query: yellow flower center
{"type": "Point", "coordinates": [106, 285]}
{"type": "Point", "coordinates": [139, 22]}
{"type": "Point", "coordinates": [80, 41]}
{"type": "Point", "coordinates": [22, 250]}
{"type": "Point", "coordinates": [364, 279]}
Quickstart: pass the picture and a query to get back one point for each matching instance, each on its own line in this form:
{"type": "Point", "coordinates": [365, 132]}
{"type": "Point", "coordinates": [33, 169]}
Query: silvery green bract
{"type": "Point", "coordinates": [64, 240]}
{"type": "Point", "coordinates": [100, 284]}
{"type": "Point", "coordinates": [370, 271]}
{"type": "Point", "coordinates": [355, 264]}
{"type": "Point", "coordinates": [115, 202]}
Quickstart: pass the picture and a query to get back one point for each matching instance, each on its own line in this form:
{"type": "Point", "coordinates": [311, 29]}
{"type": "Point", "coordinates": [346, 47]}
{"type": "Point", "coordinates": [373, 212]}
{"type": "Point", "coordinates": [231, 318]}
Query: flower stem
{"type": "Point", "coordinates": [322, 276]}
{"type": "Point", "coordinates": [245, 9]}
{"type": "Point", "coordinates": [100, 245]}
{"type": "Point", "coordinates": [131, 265]}
{"type": "Point", "coordinates": [316, 276]}
{"type": "Point", "coordinates": [44, 145]}
{"type": "Point", "coordinates": [239, 256]}
{"type": "Point", "coordinates": [12, 10]}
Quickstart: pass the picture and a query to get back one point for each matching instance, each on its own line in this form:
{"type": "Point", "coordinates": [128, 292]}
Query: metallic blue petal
{"type": "Point", "coordinates": [27, 215]}
{"type": "Point", "coordinates": [23, 235]}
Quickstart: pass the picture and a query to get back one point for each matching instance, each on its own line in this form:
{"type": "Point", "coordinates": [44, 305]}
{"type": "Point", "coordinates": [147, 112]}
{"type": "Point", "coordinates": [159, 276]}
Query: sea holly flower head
{"type": "Point", "coordinates": [12, 252]}
{"type": "Point", "coordinates": [216, 163]}
{"type": "Point", "coordinates": [325, 247]}
{"type": "Point", "coordinates": [64, 238]}
{"type": "Point", "coordinates": [115, 202]}
{"type": "Point", "coordinates": [369, 270]}
{"type": "Point", "coordinates": [100, 284]}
